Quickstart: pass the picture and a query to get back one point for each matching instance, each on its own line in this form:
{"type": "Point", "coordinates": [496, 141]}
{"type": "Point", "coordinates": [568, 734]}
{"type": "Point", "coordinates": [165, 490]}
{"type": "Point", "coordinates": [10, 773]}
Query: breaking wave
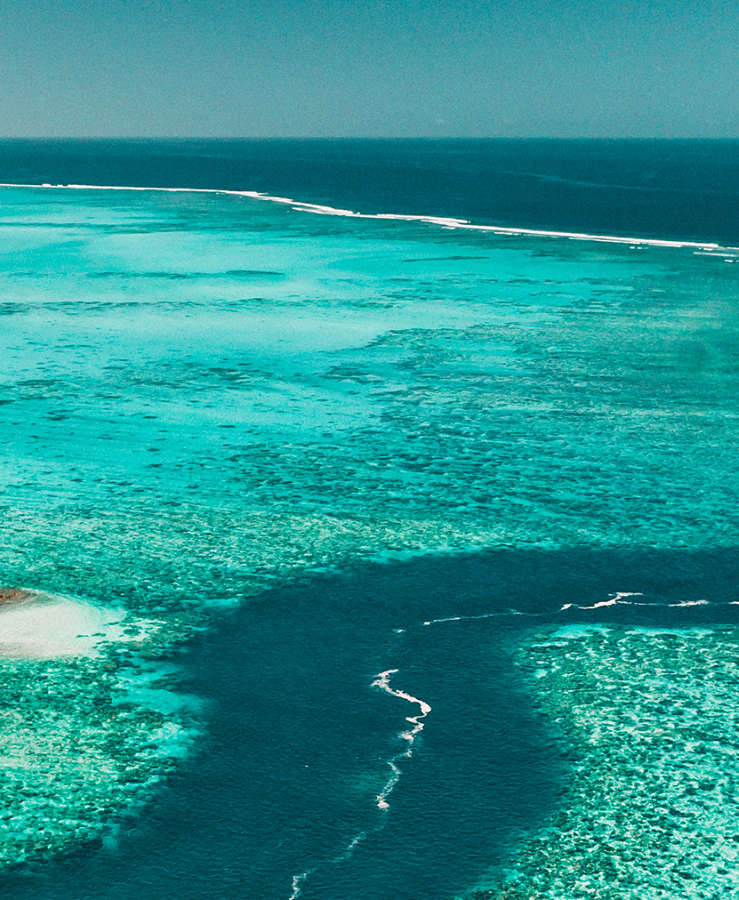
{"type": "Point", "coordinates": [441, 221]}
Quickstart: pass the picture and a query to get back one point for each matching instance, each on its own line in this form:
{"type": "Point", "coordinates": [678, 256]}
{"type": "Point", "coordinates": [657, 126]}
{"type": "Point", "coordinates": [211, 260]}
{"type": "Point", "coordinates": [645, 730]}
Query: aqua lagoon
{"type": "Point", "coordinates": [363, 556]}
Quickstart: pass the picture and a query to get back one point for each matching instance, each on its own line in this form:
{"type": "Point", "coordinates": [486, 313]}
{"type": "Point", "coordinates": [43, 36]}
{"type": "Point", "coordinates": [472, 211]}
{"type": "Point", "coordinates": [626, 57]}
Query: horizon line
{"type": "Point", "coordinates": [419, 137]}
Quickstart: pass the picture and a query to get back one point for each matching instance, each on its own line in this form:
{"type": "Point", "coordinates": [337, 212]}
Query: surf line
{"type": "Point", "coordinates": [442, 221]}
{"type": "Point", "coordinates": [382, 682]}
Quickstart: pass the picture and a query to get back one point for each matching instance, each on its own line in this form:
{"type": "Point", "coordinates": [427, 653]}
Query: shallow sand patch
{"type": "Point", "coordinates": [37, 625]}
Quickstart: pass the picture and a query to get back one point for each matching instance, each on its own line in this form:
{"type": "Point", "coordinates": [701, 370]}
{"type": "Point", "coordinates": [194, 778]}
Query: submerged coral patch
{"type": "Point", "coordinates": [648, 722]}
{"type": "Point", "coordinates": [88, 725]}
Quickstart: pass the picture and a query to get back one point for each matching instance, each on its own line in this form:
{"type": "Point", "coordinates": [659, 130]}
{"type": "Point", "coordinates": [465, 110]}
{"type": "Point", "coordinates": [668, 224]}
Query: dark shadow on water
{"type": "Point", "coordinates": [298, 741]}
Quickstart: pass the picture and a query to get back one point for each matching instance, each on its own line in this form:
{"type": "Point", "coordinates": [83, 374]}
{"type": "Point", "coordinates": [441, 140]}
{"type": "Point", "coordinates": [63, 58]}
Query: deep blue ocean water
{"type": "Point", "coordinates": [291, 720]}
{"type": "Point", "coordinates": [686, 190]}
{"type": "Point", "coordinates": [302, 450]}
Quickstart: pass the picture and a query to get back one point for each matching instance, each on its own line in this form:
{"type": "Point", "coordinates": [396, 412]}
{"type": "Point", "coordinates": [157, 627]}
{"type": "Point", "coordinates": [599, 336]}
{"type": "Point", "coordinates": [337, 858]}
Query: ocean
{"type": "Point", "coordinates": [371, 508]}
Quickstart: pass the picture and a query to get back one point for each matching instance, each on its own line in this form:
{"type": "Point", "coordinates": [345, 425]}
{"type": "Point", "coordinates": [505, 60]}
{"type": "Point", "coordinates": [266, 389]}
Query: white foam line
{"type": "Point", "coordinates": [442, 221]}
{"type": "Point", "coordinates": [299, 880]}
{"type": "Point", "coordinates": [441, 621]}
{"type": "Point", "coordinates": [490, 615]}
{"type": "Point", "coordinates": [297, 884]}
{"type": "Point", "coordinates": [382, 681]}
{"type": "Point", "coordinates": [620, 598]}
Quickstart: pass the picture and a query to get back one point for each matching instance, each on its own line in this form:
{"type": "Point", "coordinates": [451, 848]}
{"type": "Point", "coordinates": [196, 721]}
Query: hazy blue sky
{"type": "Point", "coordinates": [369, 67]}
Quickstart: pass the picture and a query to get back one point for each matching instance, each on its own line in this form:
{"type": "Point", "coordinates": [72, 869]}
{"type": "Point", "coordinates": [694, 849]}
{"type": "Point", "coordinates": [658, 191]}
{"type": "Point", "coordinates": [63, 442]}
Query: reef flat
{"type": "Point", "coordinates": [647, 720]}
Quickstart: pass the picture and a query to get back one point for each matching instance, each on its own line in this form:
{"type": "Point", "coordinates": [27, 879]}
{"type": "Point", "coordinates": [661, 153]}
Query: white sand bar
{"type": "Point", "coordinates": [46, 626]}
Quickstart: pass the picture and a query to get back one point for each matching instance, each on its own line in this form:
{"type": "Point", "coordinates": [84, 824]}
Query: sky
{"type": "Point", "coordinates": [375, 68]}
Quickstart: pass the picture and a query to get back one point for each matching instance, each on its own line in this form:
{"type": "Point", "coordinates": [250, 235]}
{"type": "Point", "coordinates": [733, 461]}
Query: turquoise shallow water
{"type": "Point", "coordinates": [209, 402]}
